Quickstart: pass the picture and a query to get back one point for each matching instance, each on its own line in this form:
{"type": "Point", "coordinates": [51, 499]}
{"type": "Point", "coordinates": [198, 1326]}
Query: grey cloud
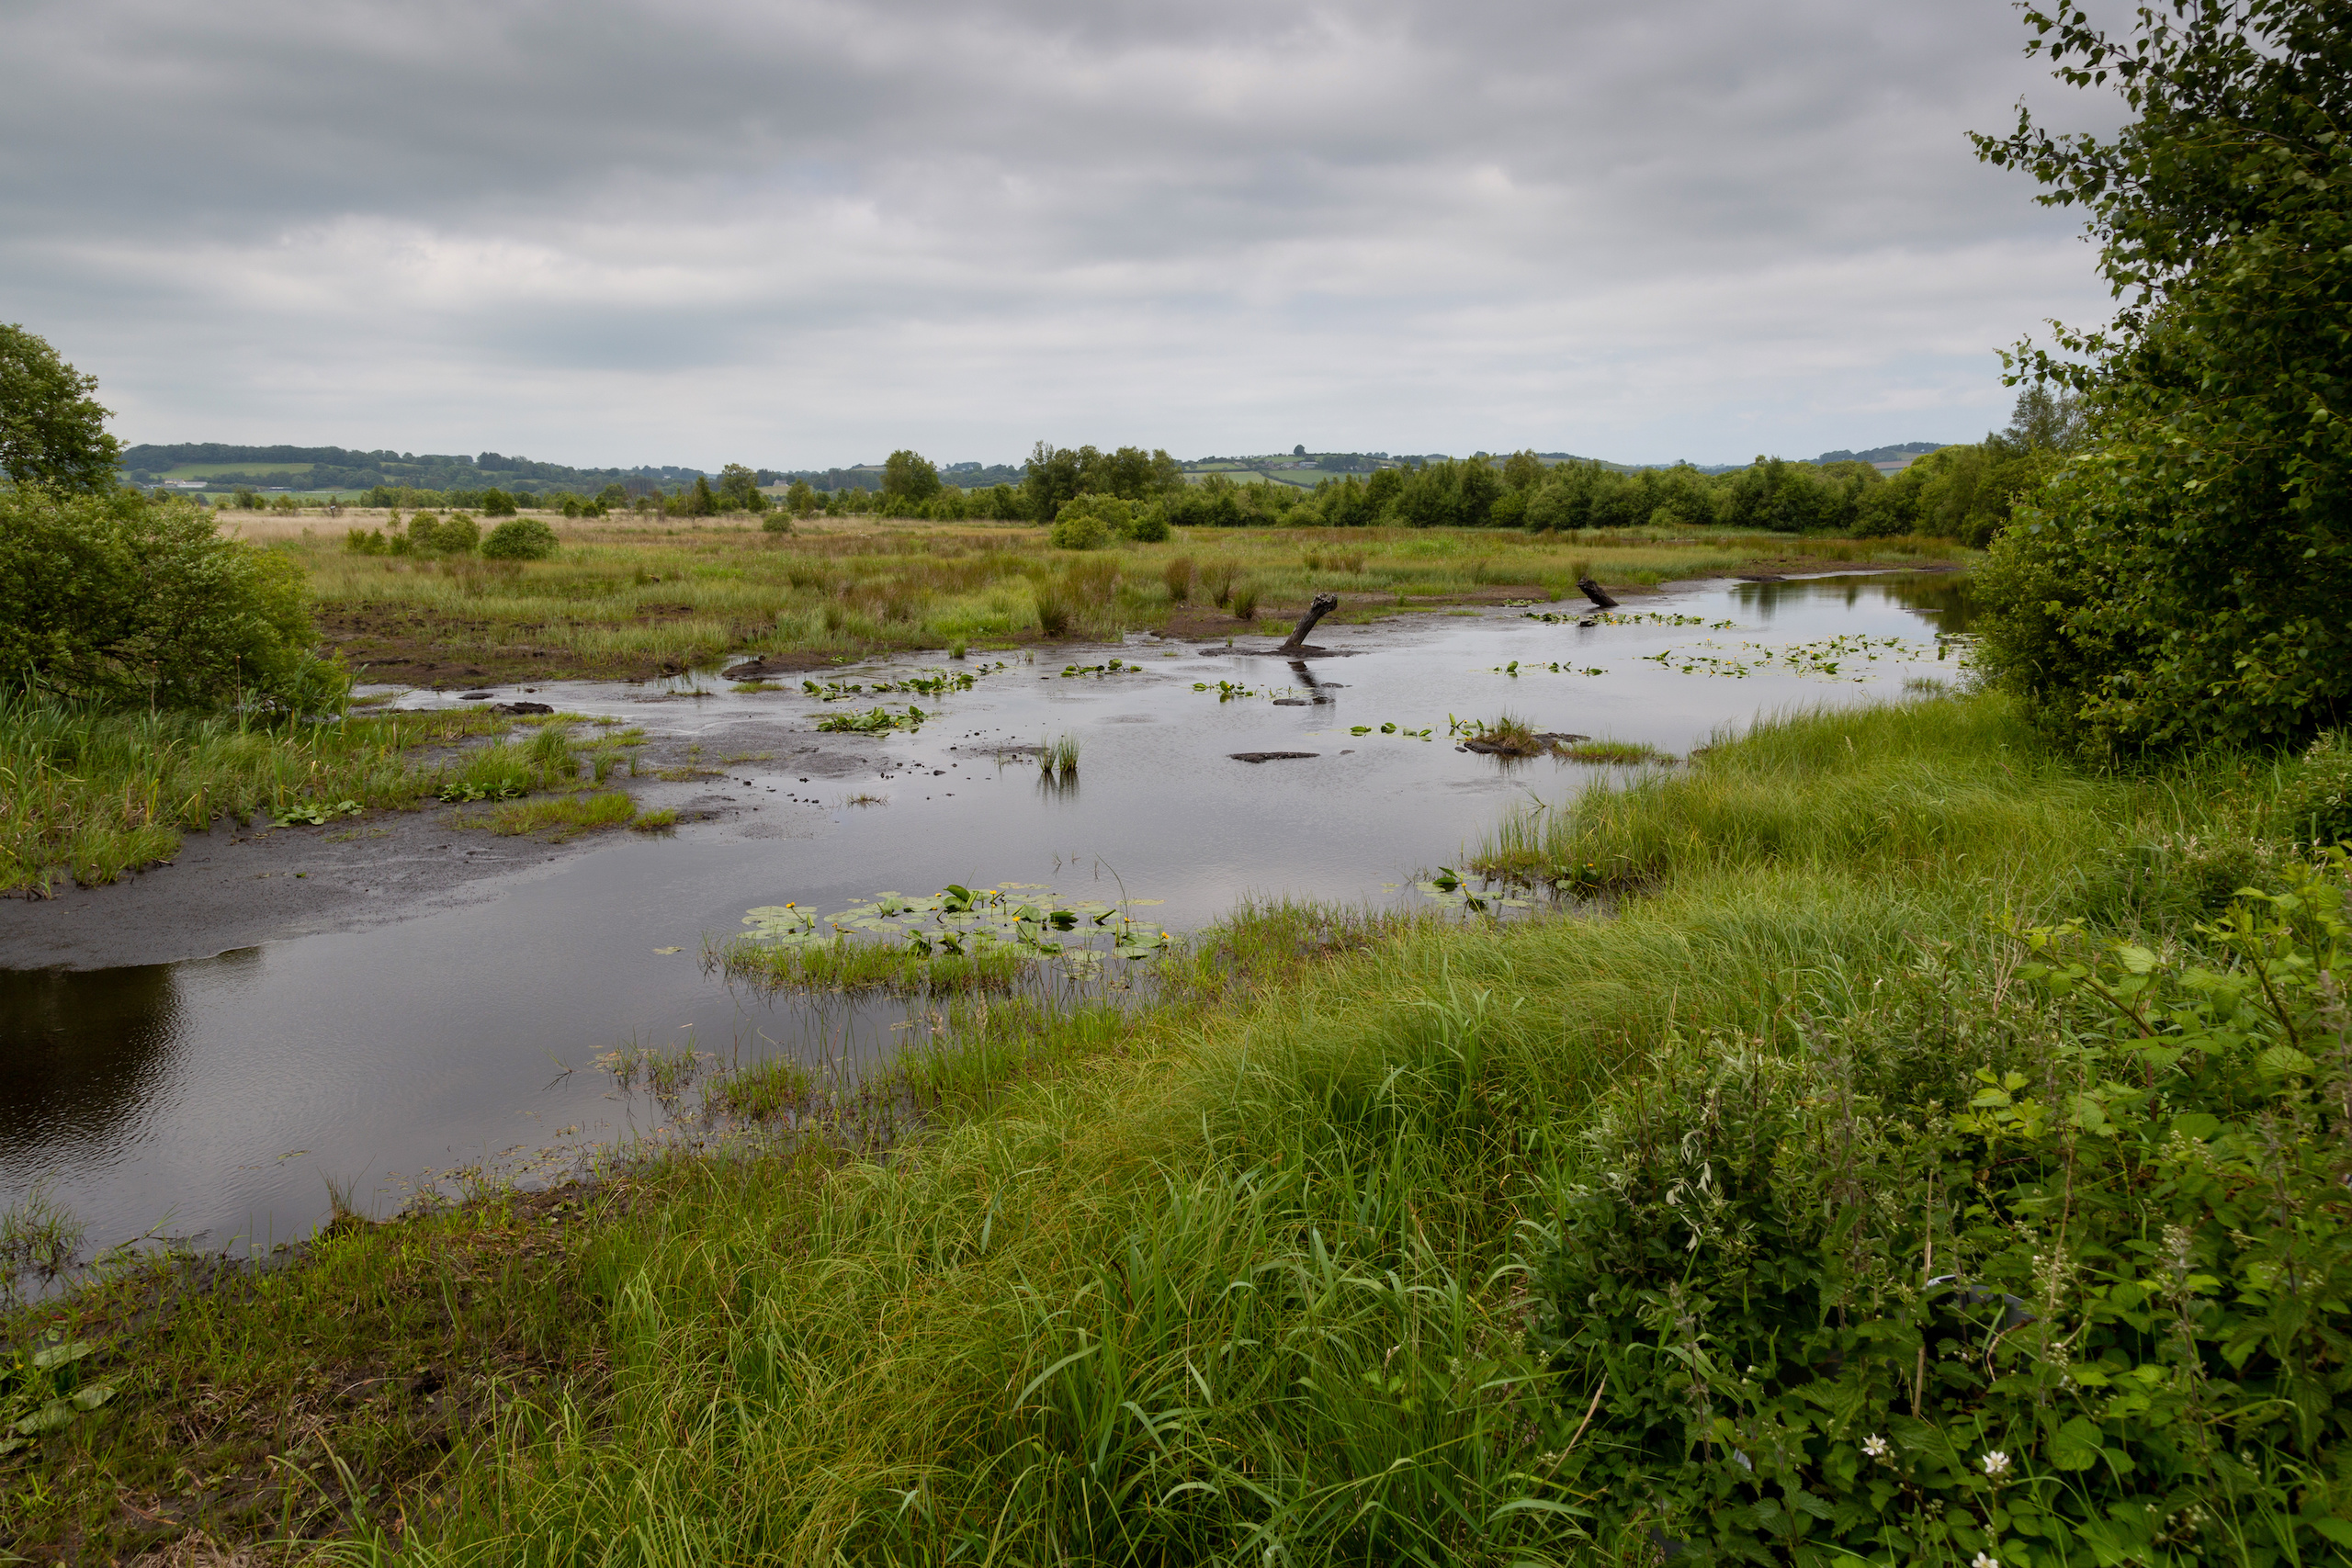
{"type": "Point", "coordinates": [1419, 225]}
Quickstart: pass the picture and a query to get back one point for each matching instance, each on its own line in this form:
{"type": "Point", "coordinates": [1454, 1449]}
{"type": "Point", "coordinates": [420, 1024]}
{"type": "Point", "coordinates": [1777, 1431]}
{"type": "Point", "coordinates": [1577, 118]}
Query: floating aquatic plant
{"type": "Point", "coordinates": [958, 938]}
{"type": "Point", "coordinates": [874, 721]}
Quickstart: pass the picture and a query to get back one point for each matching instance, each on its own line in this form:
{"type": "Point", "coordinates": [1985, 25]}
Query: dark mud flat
{"type": "Point", "coordinates": [201, 1051]}
{"type": "Point", "coordinates": [235, 887]}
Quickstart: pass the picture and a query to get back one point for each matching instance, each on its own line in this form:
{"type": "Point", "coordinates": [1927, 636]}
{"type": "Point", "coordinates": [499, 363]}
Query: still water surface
{"type": "Point", "coordinates": [213, 1100]}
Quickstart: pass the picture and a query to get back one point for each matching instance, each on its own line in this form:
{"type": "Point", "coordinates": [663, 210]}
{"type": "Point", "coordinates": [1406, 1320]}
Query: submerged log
{"type": "Point", "coordinates": [1592, 592]}
{"type": "Point", "coordinates": [1323, 605]}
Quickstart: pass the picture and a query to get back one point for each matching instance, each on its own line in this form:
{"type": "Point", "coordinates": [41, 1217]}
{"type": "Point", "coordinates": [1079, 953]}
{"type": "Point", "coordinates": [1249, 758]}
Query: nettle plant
{"type": "Point", "coordinates": [2100, 1313]}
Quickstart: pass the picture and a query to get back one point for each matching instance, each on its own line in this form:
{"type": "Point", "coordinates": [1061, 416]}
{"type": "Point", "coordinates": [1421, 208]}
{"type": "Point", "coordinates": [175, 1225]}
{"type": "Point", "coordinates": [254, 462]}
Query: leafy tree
{"type": "Point", "coordinates": [2183, 580]}
{"type": "Point", "coordinates": [801, 499]}
{"type": "Point", "coordinates": [613, 494]}
{"type": "Point", "coordinates": [1053, 479]}
{"type": "Point", "coordinates": [1523, 470]}
{"type": "Point", "coordinates": [52, 431]}
{"type": "Point", "coordinates": [498, 503]}
{"type": "Point", "coordinates": [909, 480]}
{"type": "Point", "coordinates": [739, 490]}
{"type": "Point", "coordinates": [113, 597]}
{"type": "Point", "coordinates": [2047, 419]}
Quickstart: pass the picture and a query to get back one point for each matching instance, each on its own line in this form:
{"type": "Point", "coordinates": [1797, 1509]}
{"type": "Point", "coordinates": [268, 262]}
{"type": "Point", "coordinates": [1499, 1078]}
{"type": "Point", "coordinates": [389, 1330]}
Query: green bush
{"type": "Point", "coordinates": [454, 535]}
{"type": "Point", "coordinates": [520, 538]}
{"type": "Point", "coordinates": [1088, 522]}
{"type": "Point", "coordinates": [2099, 1312]}
{"type": "Point", "coordinates": [497, 504]}
{"type": "Point", "coordinates": [776, 521]}
{"type": "Point", "coordinates": [120, 598]}
{"type": "Point", "coordinates": [1150, 525]}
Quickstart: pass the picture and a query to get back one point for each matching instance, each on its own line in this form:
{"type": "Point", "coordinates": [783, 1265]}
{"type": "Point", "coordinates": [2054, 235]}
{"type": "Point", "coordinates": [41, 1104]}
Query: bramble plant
{"type": "Point", "coordinates": [2100, 1312]}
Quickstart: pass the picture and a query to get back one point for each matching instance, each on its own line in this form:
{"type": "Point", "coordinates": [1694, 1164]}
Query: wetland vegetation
{"type": "Point", "coordinates": [1303, 1233]}
{"type": "Point", "coordinates": [1919, 1134]}
{"type": "Point", "coordinates": [625, 597]}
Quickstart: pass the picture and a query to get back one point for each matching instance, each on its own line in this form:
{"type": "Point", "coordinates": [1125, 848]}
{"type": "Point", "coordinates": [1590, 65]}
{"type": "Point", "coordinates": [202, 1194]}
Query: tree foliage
{"type": "Point", "coordinates": [52, 431]}
{"type": "Point", "coordinates": [117, 598]}
{"type": "Point", "coordinates": [909, 478]}
{"type": "Point", "coordinates": [2183, 580]}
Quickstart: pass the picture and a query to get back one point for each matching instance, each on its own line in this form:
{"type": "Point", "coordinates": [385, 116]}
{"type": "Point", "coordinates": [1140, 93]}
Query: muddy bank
{"type": "Point", "coordinates": [237, 887]}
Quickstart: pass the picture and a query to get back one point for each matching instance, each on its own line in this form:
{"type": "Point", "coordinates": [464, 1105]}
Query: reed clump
{"type": "Point", "coordinates": [1059, 759]}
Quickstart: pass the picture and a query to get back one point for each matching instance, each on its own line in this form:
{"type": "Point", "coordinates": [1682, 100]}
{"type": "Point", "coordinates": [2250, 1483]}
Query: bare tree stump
{"type": "Point", "coordinates": [1323, 605]}
{"type": "Point", "coordinates": [1592, 592]}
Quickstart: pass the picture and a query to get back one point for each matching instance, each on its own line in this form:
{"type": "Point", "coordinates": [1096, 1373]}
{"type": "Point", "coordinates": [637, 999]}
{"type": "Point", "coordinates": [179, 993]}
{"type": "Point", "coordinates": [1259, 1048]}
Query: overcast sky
{"type": "Point", "coordinates": [800, 233]}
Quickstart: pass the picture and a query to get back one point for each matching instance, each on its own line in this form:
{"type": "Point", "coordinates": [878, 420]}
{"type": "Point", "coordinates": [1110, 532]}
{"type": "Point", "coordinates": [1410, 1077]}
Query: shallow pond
{"type": "Point", "coordinates": [215, 1099]}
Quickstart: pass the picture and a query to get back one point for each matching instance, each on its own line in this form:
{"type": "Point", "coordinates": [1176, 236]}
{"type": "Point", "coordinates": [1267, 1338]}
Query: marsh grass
{"type": "Point", "coordinates": [1245, 599]}
{"type": "Point", "coordinates": [765, 1091]}
{"type": "Point", "coordinates": [39, 1240]}
{"type": "Point", "coordinates": [1622, 753]}
{"type": "Point", "coordinates": [861, 966]}
{"type": "Point", "coordinates": [565, 817]}
{"type": "Point", "coordinates": [90, 793]}
{"type": "Point", "coordinates": [626, 597]}
{"type": "Point", "coordinates": [1059, 759]}
{"type": "Point", "coordinates": [1235, 1275]}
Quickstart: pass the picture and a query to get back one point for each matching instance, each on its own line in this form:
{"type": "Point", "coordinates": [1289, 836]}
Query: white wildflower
{"type": "Point", "coordinates": [1996, 1465]}
{"type": "Point", "coordinates": [1983, 1562]}
{"type": "Point", "coordinates": [1876, 1446]}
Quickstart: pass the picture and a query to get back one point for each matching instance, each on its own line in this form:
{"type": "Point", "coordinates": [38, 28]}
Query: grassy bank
{"type": "Point", "coordinates": [91, 793]}
{"type": "Point", "coordinates": [639, 598]}
{"type": "Point", "coordinates": [1259, 1275]}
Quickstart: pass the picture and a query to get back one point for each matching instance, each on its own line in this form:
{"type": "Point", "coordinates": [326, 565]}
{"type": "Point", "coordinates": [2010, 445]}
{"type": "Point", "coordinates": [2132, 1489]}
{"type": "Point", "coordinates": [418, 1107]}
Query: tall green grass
{"type": "Point", "coordinates": [90, 792]}
{"type": "Point", "coordinates": [1238, 1276]}
{"type": "Point", "coordinates": [628, 595]}
{"type": "Point", "coordinates": [1242, 1285]}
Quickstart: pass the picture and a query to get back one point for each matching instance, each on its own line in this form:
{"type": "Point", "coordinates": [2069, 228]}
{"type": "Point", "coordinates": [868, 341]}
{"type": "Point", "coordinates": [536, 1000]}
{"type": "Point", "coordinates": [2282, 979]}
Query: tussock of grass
{"type": "Point", "coordinates": [565, 816]}
{"type": "Point", "coordinates": [1233, 1277]}
{"type": "Point", "coordinates": [762, 1092]}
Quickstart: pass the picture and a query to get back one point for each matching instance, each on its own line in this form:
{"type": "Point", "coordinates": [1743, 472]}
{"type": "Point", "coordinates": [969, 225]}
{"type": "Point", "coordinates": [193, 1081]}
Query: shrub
{"type": "Point", "coordinates": [1089, 522]}
{"type": "Point", "coordinates": [454, 535]}
{"type": "Point", "coordinates": [2098, 1312]}
{"type": "Point", "coordinates": [1150, 525]}
{"type": "Point", "coordinates": [497, 504]}
{"type": "Point", "coordinates": [117, 597]}
{"type": "Point", "coordinates": [1084, 531]}
{"type": "Point", "coordinates": [777, 522]}
{"type": "Point", "coordinates": [519, 539]}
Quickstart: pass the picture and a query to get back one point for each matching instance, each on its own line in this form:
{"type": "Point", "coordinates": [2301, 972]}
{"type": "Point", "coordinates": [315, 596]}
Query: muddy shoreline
{"type": "Point", "coordinates": [235, 887]}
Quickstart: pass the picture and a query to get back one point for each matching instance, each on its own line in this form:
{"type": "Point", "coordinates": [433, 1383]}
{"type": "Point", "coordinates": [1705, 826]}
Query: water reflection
{"type": "Point", "coordinates": [84, 1054]}
{"type": "Point", "coordinates": [1939, 597]}
{"type": "Point", "coordinates": [224, 1093]}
